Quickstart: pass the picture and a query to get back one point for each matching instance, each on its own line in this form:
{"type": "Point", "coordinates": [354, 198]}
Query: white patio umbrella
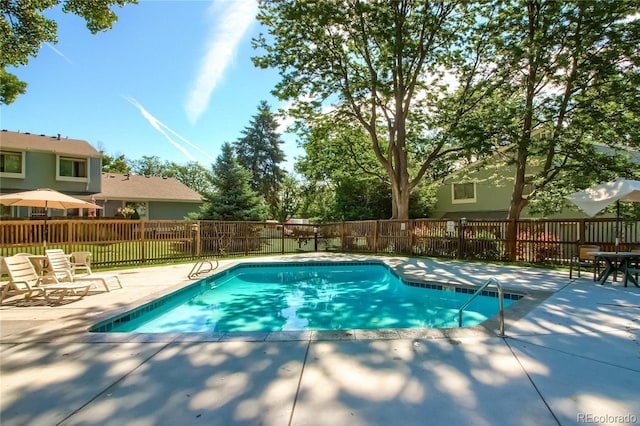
{"type": "Point", "coordinates": [47, 199]}
{"type": "Point", "coordinates": [594, 199]}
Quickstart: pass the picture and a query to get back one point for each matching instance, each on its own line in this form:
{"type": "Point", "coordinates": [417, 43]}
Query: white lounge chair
{"type": "Point", "coordinates": [24, 279]}
{"type": "Point", "coordinates": [60, 269]}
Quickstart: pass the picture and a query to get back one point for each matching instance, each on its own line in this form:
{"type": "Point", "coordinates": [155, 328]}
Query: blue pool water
{"type": "Point", "coordinates": [273, 297]}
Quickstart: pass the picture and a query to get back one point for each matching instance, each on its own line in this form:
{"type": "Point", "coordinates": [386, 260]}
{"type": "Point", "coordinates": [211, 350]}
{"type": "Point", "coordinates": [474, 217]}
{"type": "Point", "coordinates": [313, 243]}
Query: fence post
{"type": "Point", "coordinates": [142, 239]}
{"type": "Point", "coordinates": [70, 229]}
{"type": "Point", "coordinates": [375, 236]}
{"type": "Point", "coordinates": [461, 225]}
{"type": "Point", "coordinates": [282, 235]}
{"type": "Point", "coordinates": [512, 239]}
{"type": "Point", "coordinates": [246, 239]}
{"type": "Point", "coordinates": [197, 240]}
{"type": "Point", "coordinates": [581, 230]}
{"type": "Point", "coordinates": [410, 236]}
{"type": "Point", "coordinates": [315, 238]}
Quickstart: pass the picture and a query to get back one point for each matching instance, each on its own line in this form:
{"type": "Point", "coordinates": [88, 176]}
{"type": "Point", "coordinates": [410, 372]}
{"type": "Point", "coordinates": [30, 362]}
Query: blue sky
{"type": "Point", "coordinates": [172, 79]}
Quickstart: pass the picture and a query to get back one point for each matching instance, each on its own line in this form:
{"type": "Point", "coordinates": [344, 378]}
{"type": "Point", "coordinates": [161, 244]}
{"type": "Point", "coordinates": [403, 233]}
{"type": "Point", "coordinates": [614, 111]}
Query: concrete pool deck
{"type": "Point", "coordinates": [572, 359]}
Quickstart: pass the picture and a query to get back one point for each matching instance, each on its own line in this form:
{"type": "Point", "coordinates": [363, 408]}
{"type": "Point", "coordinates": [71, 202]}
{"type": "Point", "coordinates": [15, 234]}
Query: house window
{"type": "Point", "coordinates": [12, 164]}
{"type": "Point", "coordinates": [38, 212]}
{"type": "Point", "coordinates": [73, 169]}
{"type": "Point", "coordinates": [463, 193]}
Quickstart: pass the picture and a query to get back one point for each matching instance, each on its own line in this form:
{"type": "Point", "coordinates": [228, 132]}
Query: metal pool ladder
{"type": "Point", "coordinates": [203, 266]}
{"type": "Point", "coordinates": [496, 283]}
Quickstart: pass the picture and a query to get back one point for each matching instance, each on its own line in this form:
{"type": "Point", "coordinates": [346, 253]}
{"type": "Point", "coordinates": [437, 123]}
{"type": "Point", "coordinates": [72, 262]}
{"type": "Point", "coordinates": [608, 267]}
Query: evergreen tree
{"type": "Point", "coordinates": [233, 198]}
{"type": "Point", "coordinates": [259, 152]}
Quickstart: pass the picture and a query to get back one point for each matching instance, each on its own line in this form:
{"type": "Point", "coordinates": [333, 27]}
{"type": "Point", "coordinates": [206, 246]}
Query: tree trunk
{"type": "Point", "coordinates": [515, 209]}
{"type": "Point", "coordinates": [400, 201]}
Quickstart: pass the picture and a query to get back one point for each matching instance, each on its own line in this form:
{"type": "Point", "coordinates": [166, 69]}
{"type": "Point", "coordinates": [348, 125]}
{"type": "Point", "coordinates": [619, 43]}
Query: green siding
{"type": "Point", "coordinates": [160, 210]}
{"type": "Point", "coordinates": [40, 172]}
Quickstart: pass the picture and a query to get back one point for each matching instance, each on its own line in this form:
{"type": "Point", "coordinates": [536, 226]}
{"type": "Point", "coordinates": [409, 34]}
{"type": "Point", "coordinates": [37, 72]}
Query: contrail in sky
{"type": "Point", "coordinates": [233, 19]}
{"type": "Point", "coordinates": [167, 132]}
{"type": "Point", "coordinates": [58, 52]}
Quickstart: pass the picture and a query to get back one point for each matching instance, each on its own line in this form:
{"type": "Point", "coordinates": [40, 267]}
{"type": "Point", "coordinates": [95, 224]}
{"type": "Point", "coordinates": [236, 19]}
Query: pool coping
{"type": "Point", "coordinates": [529, 300]}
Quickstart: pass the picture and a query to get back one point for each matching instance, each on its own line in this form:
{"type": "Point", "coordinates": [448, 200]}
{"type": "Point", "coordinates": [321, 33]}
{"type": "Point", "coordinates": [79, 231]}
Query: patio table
{"type": "Point", "coordinates": [616, 261]}
{"type": "Point", "coordinates": [39, 262]}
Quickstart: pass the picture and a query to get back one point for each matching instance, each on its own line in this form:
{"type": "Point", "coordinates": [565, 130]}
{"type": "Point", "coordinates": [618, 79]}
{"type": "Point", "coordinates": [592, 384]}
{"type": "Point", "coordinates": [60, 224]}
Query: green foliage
{"type": "Point", "coordinates": [576, 94]}
{"type": "Point", "coordinates": [114, 164]}
{"type": "Point", "coordinates": [150, 165]}
{"type": "Point", "coordinates": [288, 200]}
{"type": "Point", "coordinates": [340, 155]}
{"type": "Point", "coordinates": [370, 59]}
{"type": "Point", "coordinates": [317, 202]}
{"type": "Point", "coordinates": [433, 84]}
{"type": "Point", "coordinates": [192, 174]}
{"type": "Point", "coordinates": [10, 87]}
{"type": "Point", "coordinates": [24, 27]}
{"type": "Point", "coordinates": [361, 199]}
{"type": "Point", "coordinates": [233, 198]}
{"type": "Point", "coordinates": [258, 150]}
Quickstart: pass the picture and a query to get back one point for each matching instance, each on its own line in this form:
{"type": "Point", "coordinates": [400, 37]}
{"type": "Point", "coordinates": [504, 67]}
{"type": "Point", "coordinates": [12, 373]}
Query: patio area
{"type": "Point", "coordinates": [571, 356]}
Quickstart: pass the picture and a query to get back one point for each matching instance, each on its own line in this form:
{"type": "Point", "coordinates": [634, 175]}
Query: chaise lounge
{"type": "Point", "coordinates": [61, 270]}
{"type": "Point", "coordinates": [24, 279]}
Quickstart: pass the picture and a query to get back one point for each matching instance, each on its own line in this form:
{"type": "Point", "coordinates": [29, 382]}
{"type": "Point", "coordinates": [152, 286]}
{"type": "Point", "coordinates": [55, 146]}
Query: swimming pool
{"type": "Point", "coordinates": [309, 296]}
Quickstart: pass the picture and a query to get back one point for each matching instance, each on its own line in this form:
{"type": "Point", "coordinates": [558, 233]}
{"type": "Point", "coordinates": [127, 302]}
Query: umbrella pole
{"type": "Point", "coordinates": [46, 224]}
{"type": "Point", "coordinates": [618, 230]}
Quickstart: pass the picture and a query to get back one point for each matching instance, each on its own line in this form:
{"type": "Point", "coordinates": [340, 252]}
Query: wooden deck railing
{"type": "Point", "coordinates": [134, 242]}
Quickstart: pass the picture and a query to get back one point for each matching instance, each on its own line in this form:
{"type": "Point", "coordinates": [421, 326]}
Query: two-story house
{"type": "Point", "coordinates": [483, 189]}
{"type": "Point", "coordinates": [74, 167]}
{"type": "Point", "coordinates": [29, 161]}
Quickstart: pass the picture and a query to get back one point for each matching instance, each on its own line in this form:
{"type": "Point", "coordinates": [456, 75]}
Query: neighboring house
{"type": "Point", "coordinates": [29, 161]}
{"type": "Point", "coordinates": [152, 197]}
{"type": "Point", "coordinates": [482, 190]}
{"type": "Point", "coordinates": [74, 167]}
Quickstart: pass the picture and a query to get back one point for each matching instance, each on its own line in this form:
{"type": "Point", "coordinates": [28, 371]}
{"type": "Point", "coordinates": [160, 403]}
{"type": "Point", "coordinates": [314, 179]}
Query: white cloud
{"type": "Point", "coordinates": [231, 20]}
{"type": "Point", "coordinates": [167, 132]}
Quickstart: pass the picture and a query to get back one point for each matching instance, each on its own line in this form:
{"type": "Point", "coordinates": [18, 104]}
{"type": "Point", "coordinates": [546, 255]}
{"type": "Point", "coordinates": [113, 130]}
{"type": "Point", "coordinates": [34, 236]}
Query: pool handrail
{"type": "Point", "coordinates": [199, 268]}
{"type": "Point", "coordinates": [476, 293]}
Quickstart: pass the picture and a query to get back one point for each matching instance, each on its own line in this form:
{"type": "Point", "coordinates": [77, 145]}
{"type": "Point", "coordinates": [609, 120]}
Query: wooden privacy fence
{"type": "Point", "coordinates": [135, 242]}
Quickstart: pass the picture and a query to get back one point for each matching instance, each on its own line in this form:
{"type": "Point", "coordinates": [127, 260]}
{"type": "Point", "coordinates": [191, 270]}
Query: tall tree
{"type": "Point", "coordinates": [258, 150]}
{"type": "Point", "coordinates": [232, 198]}
{"type": "Point", "coordinates": [192, 174]}
{"type": "Point", "coordinates": [114, 164]}
{"type": "Point", "coordinates": [288, 200]}
{"type": "Point", "coordinates": [150, 165]}
{"type": "Point", "coordinates": [382, 66]}
{"type": "Point", "coordinates": [338, 157]}
{"type": "Point", "coordinates": [569, 81]}
{"type": "Point", "coordinates": [24, 27]}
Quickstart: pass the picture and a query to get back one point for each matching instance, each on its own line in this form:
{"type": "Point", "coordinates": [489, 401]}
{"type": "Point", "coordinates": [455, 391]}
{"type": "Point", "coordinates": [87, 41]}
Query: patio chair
{"type": "Point", "coordinates": [24, 279]}
{"type": "Point", "coordinates": [60, 269]}
{"type": "Point", "coordinates": [583, 260]}
{"type": "Point", "coordinates": [635, 267]}
{"type": "Point", "coordinates": [81, 260]}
